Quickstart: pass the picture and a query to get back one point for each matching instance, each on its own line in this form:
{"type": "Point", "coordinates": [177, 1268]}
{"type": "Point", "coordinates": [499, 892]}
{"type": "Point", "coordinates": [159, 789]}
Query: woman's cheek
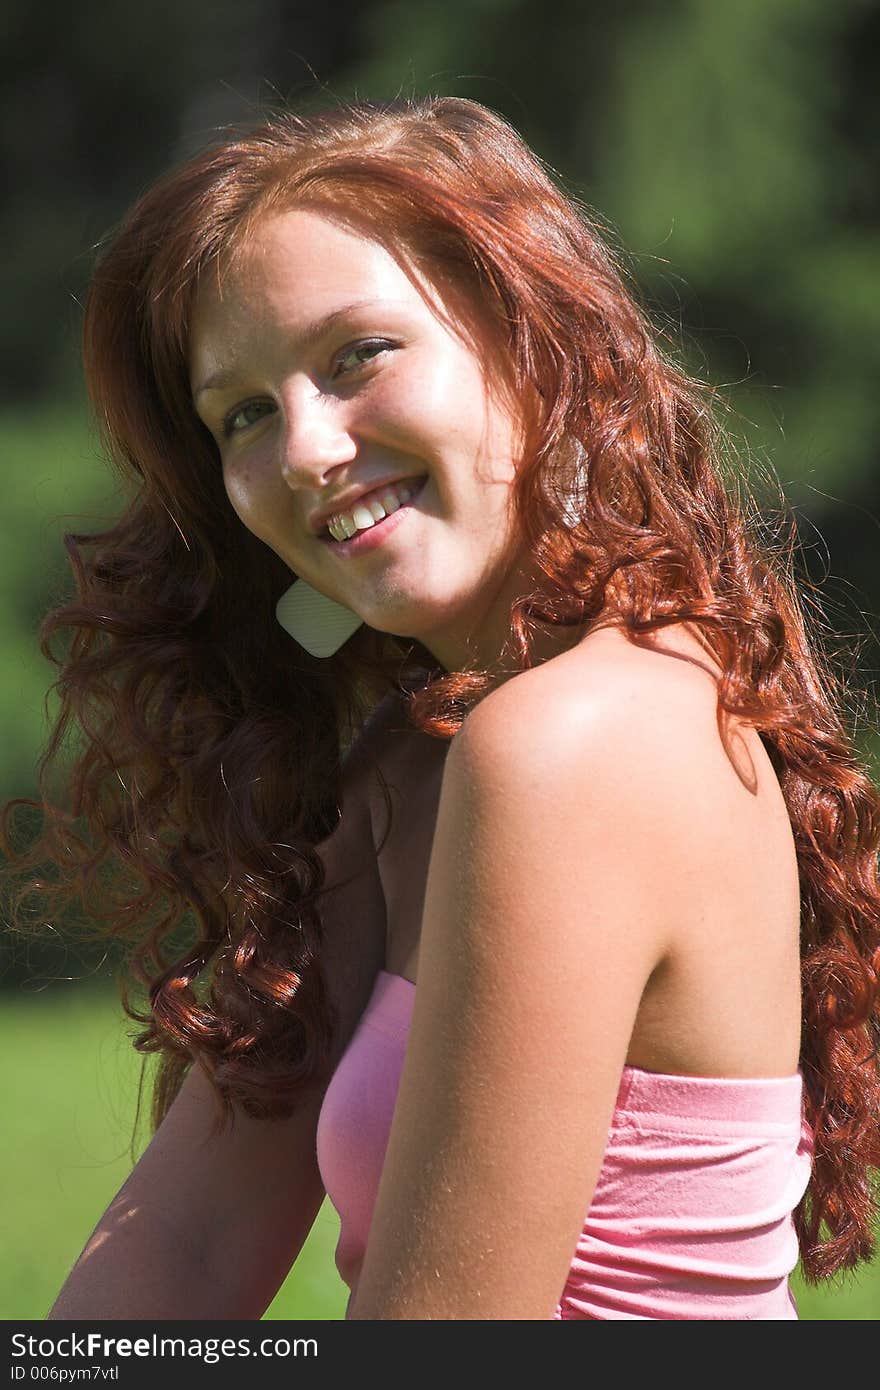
{"type": "Point", "coordinates": [249, 496]}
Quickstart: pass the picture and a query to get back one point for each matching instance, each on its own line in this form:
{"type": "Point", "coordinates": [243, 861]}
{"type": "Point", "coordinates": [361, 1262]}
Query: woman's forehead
{"type": "Point", "coordinates": [304, 258]}
{"type": "Point", "coordinates": [298, 268]}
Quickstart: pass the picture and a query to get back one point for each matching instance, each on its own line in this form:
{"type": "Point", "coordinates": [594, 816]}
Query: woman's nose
{"type": "Point", "coordinates": [314, 436]}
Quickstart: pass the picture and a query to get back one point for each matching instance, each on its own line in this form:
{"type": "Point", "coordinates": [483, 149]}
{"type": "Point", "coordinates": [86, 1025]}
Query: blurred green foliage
{"type": "Point", "coordinates": [730, 151]}
{"type": "Point", "coordinates": [54, 482]}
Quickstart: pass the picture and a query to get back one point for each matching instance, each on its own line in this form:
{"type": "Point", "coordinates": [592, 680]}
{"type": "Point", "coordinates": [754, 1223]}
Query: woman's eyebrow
{"type": "Point", "coordinates": [226, 376]}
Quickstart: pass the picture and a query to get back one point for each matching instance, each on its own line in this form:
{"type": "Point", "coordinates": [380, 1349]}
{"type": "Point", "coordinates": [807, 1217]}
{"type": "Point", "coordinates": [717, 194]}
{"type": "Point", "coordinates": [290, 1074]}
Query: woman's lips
{"type": "Point", "coordinates": [375, 535]}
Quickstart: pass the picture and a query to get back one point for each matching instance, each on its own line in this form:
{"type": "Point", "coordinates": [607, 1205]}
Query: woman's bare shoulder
{"type": "Point", "coordinates": [608, 656]}
{"type": "Point", "coordinates": [671, 674]}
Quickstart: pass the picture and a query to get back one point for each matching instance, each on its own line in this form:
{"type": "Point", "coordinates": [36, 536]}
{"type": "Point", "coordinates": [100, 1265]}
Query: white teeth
{"type": "Point", "coordinates": [362, 518]}
{"type": "Point", "coordinates": [366, 514]}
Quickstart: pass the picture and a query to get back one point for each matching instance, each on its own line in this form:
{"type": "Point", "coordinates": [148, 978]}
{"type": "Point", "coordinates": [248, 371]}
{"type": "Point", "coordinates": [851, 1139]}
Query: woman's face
{"type": "Point", "coordinates": [321, 370]}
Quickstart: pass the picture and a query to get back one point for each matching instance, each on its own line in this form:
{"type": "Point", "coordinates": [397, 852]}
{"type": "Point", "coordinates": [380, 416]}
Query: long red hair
{"type": "Point", "coordinates": [213, 745]}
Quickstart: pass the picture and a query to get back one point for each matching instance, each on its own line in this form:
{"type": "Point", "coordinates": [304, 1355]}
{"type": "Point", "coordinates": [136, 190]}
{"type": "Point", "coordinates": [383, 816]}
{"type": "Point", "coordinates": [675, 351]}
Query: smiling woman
{"type": "Point", "coordinates": [307, 429]}
{"type": "Point", "coordinates": [451, 903]}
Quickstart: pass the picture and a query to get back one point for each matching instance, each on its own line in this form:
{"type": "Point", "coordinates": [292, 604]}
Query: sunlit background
{"type": "Point", "coordinates": [729, 146]}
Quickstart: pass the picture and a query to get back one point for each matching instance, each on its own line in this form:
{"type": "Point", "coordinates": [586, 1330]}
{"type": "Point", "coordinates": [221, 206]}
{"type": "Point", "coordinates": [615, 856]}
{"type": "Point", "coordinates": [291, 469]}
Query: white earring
{"type": "Point", "coordinates": [318, 623]}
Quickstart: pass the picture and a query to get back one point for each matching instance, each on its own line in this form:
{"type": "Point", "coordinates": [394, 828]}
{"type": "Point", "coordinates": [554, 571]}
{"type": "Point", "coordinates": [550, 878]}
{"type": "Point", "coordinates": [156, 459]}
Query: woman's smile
{"type": "Point", "coordinates": [377, 530]}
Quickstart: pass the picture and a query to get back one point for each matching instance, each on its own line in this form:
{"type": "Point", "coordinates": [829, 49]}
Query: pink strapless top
{"type": "Point", "coordinates": [692, 1212]}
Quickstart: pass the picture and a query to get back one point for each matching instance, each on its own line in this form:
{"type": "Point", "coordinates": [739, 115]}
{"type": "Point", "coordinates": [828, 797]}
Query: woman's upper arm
{"type": "Point", "coordinates": [545, 915]}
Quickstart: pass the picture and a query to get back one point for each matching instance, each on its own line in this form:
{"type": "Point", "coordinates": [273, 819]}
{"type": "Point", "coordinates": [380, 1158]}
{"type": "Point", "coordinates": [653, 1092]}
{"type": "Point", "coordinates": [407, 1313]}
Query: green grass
{"type": "Point", "coordinates": [71, 1084]}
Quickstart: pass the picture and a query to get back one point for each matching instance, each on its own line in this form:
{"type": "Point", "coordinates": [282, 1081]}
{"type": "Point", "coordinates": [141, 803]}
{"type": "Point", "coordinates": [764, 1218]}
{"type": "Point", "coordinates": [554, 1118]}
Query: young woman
{"type": "Point", "coordinates": [457, 764]}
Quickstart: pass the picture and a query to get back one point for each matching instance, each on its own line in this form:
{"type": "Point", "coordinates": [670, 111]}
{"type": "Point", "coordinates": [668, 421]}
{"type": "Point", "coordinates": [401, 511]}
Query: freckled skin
{"type": "Point", "coordinates": [320, 418]}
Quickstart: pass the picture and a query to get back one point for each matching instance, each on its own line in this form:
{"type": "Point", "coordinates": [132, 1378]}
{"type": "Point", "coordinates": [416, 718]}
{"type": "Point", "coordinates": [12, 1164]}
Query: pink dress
{"type": "Point", "coordinates": [692, 1212]}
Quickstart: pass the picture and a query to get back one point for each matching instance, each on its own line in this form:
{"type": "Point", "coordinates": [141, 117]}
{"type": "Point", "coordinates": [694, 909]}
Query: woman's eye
{"type": "Point", "coordinates": [239, 418]}
{"type": "Point", "coordinates": [358, 355]}
{"type": "Point", "coordinates": [354, 354]}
